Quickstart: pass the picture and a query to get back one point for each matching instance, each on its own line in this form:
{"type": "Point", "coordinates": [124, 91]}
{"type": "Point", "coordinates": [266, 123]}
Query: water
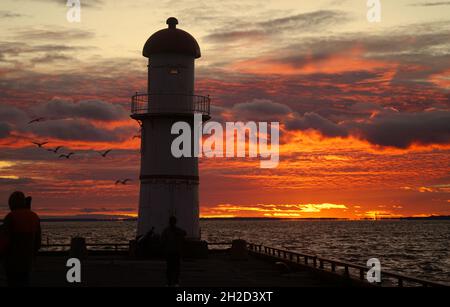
{"type": "Point", "coordinates": [416, 248]}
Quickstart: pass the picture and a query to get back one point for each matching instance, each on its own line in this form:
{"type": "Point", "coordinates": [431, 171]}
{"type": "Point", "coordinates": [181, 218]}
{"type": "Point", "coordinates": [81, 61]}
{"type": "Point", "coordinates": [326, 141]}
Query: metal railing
{"type": "Point", "coordinates": [332, 266]}
{"type": "Point", "coordinates": [110, 246]}
{"type": "Point", "coordinates": [145, 103]}
{"type": "Point", "coordinates": [89, 246]}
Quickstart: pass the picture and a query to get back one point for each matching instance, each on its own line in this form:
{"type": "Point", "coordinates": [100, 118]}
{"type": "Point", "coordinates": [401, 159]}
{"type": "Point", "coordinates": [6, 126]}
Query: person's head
{"type": "Point", "coordinates": [172, 221]}
{"type": "Point", "coordinates": [28, 202]}
{"type": "Point", "coordinates": [16, 200]}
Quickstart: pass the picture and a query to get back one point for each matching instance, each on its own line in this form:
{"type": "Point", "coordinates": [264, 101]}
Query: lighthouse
{"type": "Point", "coordinates": [169, 186]}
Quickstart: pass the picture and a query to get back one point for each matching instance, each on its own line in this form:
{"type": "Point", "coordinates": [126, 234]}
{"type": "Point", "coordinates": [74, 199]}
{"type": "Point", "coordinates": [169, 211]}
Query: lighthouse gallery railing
{"type": "Point", "coordinates": [145, 103]}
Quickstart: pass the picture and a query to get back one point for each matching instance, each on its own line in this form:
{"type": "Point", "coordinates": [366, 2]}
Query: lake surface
{"type": "Point", "coordinates": [416, 248]}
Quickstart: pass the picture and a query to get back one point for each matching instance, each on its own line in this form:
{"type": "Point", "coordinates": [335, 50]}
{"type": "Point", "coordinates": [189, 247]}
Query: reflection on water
{"type": "Point", "coordinates": [417, 248]}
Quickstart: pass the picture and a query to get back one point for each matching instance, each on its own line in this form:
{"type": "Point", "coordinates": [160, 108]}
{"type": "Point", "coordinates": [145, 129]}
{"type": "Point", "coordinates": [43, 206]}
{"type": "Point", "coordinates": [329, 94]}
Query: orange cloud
{"type": "Point", "coordinates": [269, 210]}
{"type": "Point", "coordinates": [350, 60]}
{"type": "Point", "coordinates": [441, 79]}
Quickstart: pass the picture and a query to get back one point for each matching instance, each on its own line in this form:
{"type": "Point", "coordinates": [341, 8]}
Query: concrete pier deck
{"type": "Point", "coordinates": [218, 270]}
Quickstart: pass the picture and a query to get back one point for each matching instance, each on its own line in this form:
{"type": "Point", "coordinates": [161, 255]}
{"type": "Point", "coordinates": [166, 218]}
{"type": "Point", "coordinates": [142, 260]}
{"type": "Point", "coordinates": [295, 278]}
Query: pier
{"type": "Point", "coordinates": [257, 266]}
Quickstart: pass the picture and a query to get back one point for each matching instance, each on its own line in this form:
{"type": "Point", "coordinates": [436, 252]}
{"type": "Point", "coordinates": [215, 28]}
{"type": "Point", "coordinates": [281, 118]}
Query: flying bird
{"type": "Point", "coordinates": [55, 150]}
{"type": "Point", "coordinates": [123, 181]}
{"type": "Point", "coordinates": [37, 119]}
{"type": "Point", "coordinates": [66, 156]}
{"type": "Point", "coordinates": [39, 144]}
{"type": "Point", "coordinates": [104, 153]}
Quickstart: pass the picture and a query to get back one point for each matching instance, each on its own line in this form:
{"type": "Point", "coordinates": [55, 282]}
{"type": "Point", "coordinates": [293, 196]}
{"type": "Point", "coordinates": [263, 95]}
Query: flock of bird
{"type": "Point", "coordinates": [56, 150]}
{"type": "Point", "coordinates": [68, 155]}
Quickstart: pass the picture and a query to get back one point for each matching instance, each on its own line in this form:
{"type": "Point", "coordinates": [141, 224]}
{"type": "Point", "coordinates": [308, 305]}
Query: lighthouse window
{"type": "Point", "coordinates": [173, 71]}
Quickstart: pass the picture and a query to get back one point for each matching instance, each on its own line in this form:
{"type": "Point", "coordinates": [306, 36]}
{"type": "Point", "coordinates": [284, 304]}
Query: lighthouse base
{"type": "Point", "coordinates": [161, 199]}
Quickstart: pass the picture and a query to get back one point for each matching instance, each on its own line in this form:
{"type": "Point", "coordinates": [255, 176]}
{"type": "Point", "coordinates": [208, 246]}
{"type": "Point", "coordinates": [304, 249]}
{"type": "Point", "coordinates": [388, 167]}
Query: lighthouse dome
{"type": "Point", "coordinates": [171, 40]}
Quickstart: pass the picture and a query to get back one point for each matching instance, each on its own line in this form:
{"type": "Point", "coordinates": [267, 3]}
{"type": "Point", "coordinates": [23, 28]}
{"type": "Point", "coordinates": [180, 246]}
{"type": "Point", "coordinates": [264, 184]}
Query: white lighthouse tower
{"type": "Point", "coordinates": [168, 185]}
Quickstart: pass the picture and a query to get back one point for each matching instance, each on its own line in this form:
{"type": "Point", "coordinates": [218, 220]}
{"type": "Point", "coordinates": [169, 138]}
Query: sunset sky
{"type": "Point", "coordinates": [364, 108]}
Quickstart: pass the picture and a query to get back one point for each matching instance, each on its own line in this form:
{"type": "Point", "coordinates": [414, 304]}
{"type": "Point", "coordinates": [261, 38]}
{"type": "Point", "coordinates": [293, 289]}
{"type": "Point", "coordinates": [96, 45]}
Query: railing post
{"type": "Point", "coordinates": [347, 273]}
{"type": "Point", "coordinates": [333, 267]}
{"type": "Point", "coordinates": [321, 264]}
{"type": "Point", "coordinates": [315, 262]}
{"type": "Point", "coordinates": [306, 259]}
{"type": "Point", "coordinates": [361, 274]}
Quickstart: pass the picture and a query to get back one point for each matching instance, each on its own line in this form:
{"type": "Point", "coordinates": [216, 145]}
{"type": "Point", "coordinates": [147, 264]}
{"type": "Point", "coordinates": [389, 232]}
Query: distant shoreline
{"type": "Point", "coordinates": [120, 219]}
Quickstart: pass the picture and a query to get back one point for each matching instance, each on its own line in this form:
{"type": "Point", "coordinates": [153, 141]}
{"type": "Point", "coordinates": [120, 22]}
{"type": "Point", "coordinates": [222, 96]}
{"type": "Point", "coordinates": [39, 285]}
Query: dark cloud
{"type": "Point", "coordinates": [10, 50]}
{"type": "Point", "coordinates": [388, 129]}
{"type": "Point", "coordinates": [84, 3]}
{"type": "Point", "coordinates": [313, 121]}
{"type": "Point", "coordinates": [88, 109]}
{"type": "Point", "coordinates": [79, 129]}
{"type": "Point", "coordinates": [305, 21]}
{"type": "Point", "coordinates": [401, 130]}
{"type": "Point", "coordinates": [12, 115]}
{"type": "Point", "coordinates": [51, 57]}
{"type": "Point", "coordinates": [302, 23]}
{"type": "Point", "coordinates": [52, 34]}
{"type": "Point", "coordinates": [5, 130]}
{"type": "Point", "coordinates": [441, 3]}
{"type": "Point", "coordinates": [231, 36]}
{"type": "Point", "coordinates": [260, 109]}
{"type": "Point", "coordinates": [66, 120]}
{"type": "Point", "coordinates": [9, 14]}
{"type": "Point", "coordinates": [114, 80]}
{"type": "Point", "coordinates": [15, 181]}
{"type": "Point", "coordinates": [381, 126]}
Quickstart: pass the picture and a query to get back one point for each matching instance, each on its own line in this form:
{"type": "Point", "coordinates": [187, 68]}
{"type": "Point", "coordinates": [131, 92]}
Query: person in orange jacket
{"type": "Point", "coordinates": [23, 230]}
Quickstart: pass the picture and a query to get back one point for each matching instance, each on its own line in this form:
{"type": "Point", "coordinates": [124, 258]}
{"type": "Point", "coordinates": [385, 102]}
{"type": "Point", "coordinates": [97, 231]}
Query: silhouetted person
{"type": "Point", "coordinates": [172, 239]}
{"type": "Point", "coordinates": [22, 227]}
